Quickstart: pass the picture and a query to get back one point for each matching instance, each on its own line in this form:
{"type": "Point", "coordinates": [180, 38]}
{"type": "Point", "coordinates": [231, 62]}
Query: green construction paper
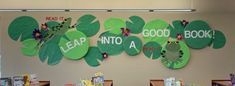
{"type": "Point", "coordinates": [62, 27]}
{"type": "Point", "coordinates": [88, 25]}
{"type": "Point", "coordinates": [57, 29]}
{"type": "Point", "coordinates": [74, 45]}
{"type": "Point", "coordinates": [22, 28]}
{"type": "Point", "coordinates": [111, 48]}
{"type": "Point", "coordinates": [135, 25]}
{"type": "Point", "coordinates": [114, 25]}
{"type": "Point", "coordinates": [219, 39]}
{"type": "Point", "coordinates": [52, 24]}
{"type": "Point", "coordinates": [176, 28]}
{"type": "Point", "coordinates": [50, 50]}
{"type": "Point", "coordinates": [30, 47]}
{"type": "Point", "coordinates": [93, 56]}
{"type": "Point", "coordinates": [29, 51]}
{"type": "Point", "coordinates": [172, 59]}
{"type": "Point", "coordinates": [157, 24]}
{"type": "Point", "coordinates": [152, 50]}
{"type": "Point", "coordinates": [132, 45]}
{"type": "Point", "coordinates": [198, 43]}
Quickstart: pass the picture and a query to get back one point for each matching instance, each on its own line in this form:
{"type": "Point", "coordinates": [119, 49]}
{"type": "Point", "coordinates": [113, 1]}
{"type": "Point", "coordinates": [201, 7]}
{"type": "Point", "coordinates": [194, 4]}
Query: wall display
{"type": "Point", "coordinates": [53, 40]}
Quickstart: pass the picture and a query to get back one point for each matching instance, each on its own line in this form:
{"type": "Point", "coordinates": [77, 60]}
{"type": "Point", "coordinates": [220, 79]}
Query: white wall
{"type": "Point", "coordinates": [200, 5]}
{"type": "Point", "coordinates": [73, 4]}
{"type": "Point", "coordinates": [204, 65]}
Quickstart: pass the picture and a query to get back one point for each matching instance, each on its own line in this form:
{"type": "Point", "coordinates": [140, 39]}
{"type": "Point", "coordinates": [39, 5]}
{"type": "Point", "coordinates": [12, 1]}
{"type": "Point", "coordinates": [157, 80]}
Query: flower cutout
{"type": "Point", "coordinates": [179, 36]}
{"type": "Point", "coordinates": [105, 55]}
{"type": "Point", "coordinates": [44, 27]}
{"type": "Point", "coordinates": [184, 23]}
{"type": "Point", "coordinates": [37, 34]}
{"type": "Point", "coordinates": [125, 31]}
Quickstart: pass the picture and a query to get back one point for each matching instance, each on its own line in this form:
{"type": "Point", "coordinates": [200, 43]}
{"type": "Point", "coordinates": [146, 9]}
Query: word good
{"type": "Point", "coordinates": [156, 33]}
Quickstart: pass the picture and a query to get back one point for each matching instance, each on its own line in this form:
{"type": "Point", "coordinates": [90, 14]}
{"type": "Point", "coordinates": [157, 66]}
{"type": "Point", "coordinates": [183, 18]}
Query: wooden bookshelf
{"type": "Point", "coordinates": [156, 82]}
{"type": "Point", "coordinates": [221, 83]}
{"type": "Point", "coordinates": [108, 82]}
{"type": "Point", "coordinates": [42, 83]}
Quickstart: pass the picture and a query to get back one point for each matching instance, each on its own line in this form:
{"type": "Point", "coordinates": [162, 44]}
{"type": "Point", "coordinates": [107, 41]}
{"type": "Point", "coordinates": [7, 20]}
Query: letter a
{"type": "Point", "coordinates": [132, 44]}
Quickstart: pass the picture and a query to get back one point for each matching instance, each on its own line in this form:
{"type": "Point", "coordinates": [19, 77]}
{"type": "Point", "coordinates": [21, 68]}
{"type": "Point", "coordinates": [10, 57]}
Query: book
{"type": "Point", "coordinates": [98, 81]}
{"type": "Point", "coordinates": [5, 81]}
{"type": "Point", "coordinates": [18, 81]}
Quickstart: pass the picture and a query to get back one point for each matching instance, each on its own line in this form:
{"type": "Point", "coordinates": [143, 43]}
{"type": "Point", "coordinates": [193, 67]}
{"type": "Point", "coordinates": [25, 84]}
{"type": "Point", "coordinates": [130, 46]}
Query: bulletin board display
{"type": "Point", "coordinates": [170, 43]}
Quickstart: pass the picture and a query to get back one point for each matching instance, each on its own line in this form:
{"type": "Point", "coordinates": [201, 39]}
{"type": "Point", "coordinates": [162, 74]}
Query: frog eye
{"type": "Point", "coordinates": [65, 19]}
{"type": "Point", "coordinates": [164, 51]}
{"type": "Point", "coordinates": [177, 42]}
{"type": "Point", "coordinates": [168, 42]}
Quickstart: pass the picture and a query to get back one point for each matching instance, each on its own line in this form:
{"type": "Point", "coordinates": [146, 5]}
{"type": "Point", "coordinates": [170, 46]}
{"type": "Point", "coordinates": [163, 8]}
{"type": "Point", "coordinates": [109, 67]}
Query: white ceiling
{"type": "Point", "coordinates": [199, 5]}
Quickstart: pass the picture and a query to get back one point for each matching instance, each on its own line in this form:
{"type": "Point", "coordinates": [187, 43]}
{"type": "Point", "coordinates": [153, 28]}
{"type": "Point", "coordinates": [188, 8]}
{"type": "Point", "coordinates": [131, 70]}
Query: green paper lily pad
{"type": "Point", "coordinates": [177, 28]}
{"type": "Point", "coordinates": [132, 45]}
{"type": "Point", "coordinates": [114, 25]}
{"type": "Point", "coordinates": [219, 39]}
{"type": "Point", "coordinates": [195, 41]}
{"type": "Point", "coordinates": [93, 56]}
{"type": "Point", "coordinates": [22, 28]}
{"type": "Point", "coordinates": [136, 24]}
{"type": "Point", "coordinates": [88, 25]}
{"type": "Point", "coordinates": [50, 50]}
{"type": "Point", "coordinates": [176, 59]}
{"type": "Point", "coordinates": [110, 43]}
{"type": "Point", "coordinates": [152, 50]}
{"type": "Point", "coordinates": [30, 47]}
{"type": "Point", "coordinates": [74, 45]}
{"type": "Point", "coordinates": [152, 28]}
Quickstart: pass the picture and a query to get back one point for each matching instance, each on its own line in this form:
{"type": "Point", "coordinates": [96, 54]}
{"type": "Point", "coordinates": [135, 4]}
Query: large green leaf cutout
{"type": "Point", "coordinates": [74, 45]}
{"type": "Point", "coordinates": [176, 29]}
{"type": "Point", "coordinates": [132, 45]}
{"type": "Point", "coordinates": [219, 39]}
{"type": "Point", "coordinates": [152, 28]}
{"type": "Point", "coordinates": [198, 41]}
{"type": "Point", "coordinates": [22, 28]}
{"type": "Point", "coordinates": [152, 50]}
{"type": "Point", "coordinates": [88, 25]}
{"type": "Point", "coordinates": [136, 24]}
{"type": "Point", "coordinates": [183, 56]}
{"type": "Point", "coordinates": [93, 56]}
{"type": "Point", "coordinates": [51, 50]}
{"type": "Point", "coordinates": [114, 25]}
{"type": "Point", "coordinates": [110, 43]}
{"type": "Point", "coordinates": [30, 47]}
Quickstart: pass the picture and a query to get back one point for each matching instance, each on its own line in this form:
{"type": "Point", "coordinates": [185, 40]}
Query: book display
{"type": "Point", "coordinates": [24, 80]}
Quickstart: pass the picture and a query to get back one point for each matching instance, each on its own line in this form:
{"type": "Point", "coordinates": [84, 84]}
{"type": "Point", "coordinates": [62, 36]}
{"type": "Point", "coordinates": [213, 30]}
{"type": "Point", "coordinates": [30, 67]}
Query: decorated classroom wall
{"type": "Point", "coordinates": [199, 65]}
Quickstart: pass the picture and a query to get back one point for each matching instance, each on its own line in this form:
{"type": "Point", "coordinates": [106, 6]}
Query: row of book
{"type": "Point", "coordinates": [171, 81]}
{"type": "Point", "coordinates": [23, 80]}
{"type": "Point", "coordinates": [96, 80]}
